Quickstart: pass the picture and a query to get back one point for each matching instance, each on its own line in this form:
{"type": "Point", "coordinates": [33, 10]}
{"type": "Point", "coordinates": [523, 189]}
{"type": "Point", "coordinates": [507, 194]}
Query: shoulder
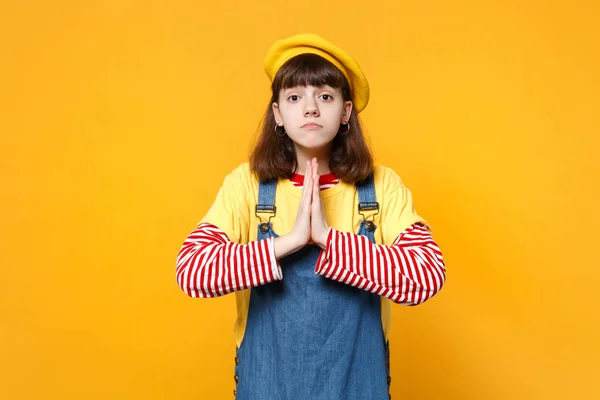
{"type": "Point", "coordinates": [241, 176]}
{"type": "Point", "coordinates": [240, 173]}
{"type": "Point", "coordinates": [397, 202]}
{"type": "Point", "coordinates": [386, 179]}
{"type": "Point", "coordinates": [238, 186]}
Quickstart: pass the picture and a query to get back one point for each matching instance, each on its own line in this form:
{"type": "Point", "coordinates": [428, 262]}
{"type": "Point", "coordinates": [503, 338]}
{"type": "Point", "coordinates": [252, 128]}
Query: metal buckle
{"type": "Point", "coordinates": [368, 206]}
{"type": "Point", "coordinates": [262, 208]}
{"type": "Point", "coordinates": [265, 208]}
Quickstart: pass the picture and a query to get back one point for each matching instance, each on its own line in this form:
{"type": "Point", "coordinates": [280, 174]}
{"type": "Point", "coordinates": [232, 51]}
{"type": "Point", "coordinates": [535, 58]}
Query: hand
{"type": "Point", "coordinates": [301, 228]}
{"type": "Point", "coordinates": [299, 236]}
{"type": "Point", "coordinates": [318, 225]}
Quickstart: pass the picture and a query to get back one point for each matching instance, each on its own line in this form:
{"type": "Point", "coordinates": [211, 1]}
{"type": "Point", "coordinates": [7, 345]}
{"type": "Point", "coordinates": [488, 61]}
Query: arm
{"type": "Point", "coordinates": [210, 265]}
{"type": "Point", "coordinates": [409, 272]}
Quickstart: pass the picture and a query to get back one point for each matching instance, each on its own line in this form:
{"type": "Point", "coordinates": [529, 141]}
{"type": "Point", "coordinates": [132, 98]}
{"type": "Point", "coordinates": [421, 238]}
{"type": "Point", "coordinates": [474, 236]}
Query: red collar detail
{"type": "Point", "coordinates": [325, 179]}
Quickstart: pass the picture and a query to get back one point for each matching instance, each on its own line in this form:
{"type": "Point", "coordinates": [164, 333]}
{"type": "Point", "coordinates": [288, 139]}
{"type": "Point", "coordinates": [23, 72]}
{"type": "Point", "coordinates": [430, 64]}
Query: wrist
{"type": "Point", "coordinates": [323, 240]}
{"type": "Point", "coordinates": [286, 244]}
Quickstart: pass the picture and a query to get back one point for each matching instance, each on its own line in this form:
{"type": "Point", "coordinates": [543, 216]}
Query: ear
{"type": "Point", "coordinates": [347, 111]}
{"type": "Point", "coordinates": [276, 112]}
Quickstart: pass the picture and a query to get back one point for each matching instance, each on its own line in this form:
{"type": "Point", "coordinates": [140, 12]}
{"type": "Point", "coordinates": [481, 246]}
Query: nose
{"type": "Point", "coordinates": [311, 108]}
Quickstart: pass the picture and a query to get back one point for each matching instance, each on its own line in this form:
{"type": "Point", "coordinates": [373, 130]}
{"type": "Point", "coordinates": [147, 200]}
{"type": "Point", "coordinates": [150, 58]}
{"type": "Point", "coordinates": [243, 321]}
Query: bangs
{"type": "Point", "coordinates": [309, 70]}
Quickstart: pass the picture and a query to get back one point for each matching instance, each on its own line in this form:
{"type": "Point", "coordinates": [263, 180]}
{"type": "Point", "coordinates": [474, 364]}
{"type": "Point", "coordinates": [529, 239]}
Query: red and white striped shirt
{"type": "Point", "coordinates": [409, 272]}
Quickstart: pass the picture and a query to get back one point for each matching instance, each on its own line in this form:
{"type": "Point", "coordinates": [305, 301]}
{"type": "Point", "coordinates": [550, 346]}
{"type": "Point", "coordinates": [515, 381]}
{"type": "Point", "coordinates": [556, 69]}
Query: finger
{"type": "Point", "coordinates": [305, 194]}
{"type": "Point", "coordinates": [308, 176]}
{"type": "Point", "coordinates": [306, 189]}
{"type": "Point", "coordinates": [316, 190]}
{"type": "Point", "coordinates": [307, 172]}
{"type": "Point", "coordinates": [315, 185]}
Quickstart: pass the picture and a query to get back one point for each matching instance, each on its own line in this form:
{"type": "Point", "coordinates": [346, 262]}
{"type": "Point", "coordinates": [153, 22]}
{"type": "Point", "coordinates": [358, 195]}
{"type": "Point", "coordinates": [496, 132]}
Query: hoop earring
{"type": "Point", "coordinates": [277, 133]}
{"type": "Point", "coordinates": [347, 129]}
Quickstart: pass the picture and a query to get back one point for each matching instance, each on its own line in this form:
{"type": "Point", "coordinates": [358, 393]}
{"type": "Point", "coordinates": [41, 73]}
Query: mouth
{"type": "Point", "coordinates": [311, 126]}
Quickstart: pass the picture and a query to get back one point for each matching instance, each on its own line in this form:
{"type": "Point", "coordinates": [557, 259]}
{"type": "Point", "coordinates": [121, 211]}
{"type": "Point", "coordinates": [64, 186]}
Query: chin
{"type": "Point", "coordinates": [312, 145]}
{"type": "Point", "coordinates": [312, 142]}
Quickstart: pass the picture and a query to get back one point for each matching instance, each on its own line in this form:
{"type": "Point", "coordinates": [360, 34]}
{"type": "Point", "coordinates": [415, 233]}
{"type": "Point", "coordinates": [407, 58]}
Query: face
{"type": "Point", "coordinates": [311, 115]}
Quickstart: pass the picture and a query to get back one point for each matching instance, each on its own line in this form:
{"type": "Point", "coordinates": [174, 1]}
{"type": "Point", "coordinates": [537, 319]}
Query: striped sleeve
{"type": "Point", "coordinates": [409, 272]}
{"type": "Point", "coordinates": [210, 265]}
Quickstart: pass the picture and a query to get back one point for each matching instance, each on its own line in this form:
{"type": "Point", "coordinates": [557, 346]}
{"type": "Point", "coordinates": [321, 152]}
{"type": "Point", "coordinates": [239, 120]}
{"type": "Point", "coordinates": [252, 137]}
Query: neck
{"type": "Point", "coordinates": [323, 155]}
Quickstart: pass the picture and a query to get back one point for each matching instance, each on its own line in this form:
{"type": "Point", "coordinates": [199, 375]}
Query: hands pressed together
{"type": "Point", "coordinates": [310, 225]}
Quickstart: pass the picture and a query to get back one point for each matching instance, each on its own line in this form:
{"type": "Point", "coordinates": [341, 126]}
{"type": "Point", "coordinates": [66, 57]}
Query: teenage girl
{"type": "Point", "coordinates": [314, 240]}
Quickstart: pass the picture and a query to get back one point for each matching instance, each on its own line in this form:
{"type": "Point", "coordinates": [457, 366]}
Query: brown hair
{"type": "Point", "coordinates": [275, 157]}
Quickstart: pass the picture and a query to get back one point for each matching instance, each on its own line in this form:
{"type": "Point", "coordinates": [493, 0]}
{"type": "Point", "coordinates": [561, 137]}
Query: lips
{"type": "Point", "coordinates": [311, 125]}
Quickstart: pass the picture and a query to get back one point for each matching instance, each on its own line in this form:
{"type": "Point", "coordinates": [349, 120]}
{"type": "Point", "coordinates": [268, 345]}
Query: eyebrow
{"type": "Point", "coordinates": [322, 87]}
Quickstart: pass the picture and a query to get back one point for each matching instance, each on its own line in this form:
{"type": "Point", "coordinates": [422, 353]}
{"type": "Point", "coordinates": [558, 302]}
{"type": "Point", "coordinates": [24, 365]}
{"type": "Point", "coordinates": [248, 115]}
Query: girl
{"type": "Point", "coordinates": [313, 239]}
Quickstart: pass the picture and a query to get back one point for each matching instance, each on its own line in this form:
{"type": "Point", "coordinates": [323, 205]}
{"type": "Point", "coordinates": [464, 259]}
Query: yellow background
{"type": "Point", "coordinates": [119, 120]}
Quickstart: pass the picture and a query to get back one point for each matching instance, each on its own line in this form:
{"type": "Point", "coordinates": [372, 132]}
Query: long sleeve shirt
{"type": "Point", "coordinates": [408, 272]}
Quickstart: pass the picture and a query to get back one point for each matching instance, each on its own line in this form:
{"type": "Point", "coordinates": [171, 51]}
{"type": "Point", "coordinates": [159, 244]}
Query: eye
{"type": "Point", "coordinates": [293, 97]}
{"type": "Point", "coordinates": [327, 97]}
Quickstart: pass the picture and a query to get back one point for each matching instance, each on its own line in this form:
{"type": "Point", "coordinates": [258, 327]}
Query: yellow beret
{"type": "Point", "coordinates": [285, 49]}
